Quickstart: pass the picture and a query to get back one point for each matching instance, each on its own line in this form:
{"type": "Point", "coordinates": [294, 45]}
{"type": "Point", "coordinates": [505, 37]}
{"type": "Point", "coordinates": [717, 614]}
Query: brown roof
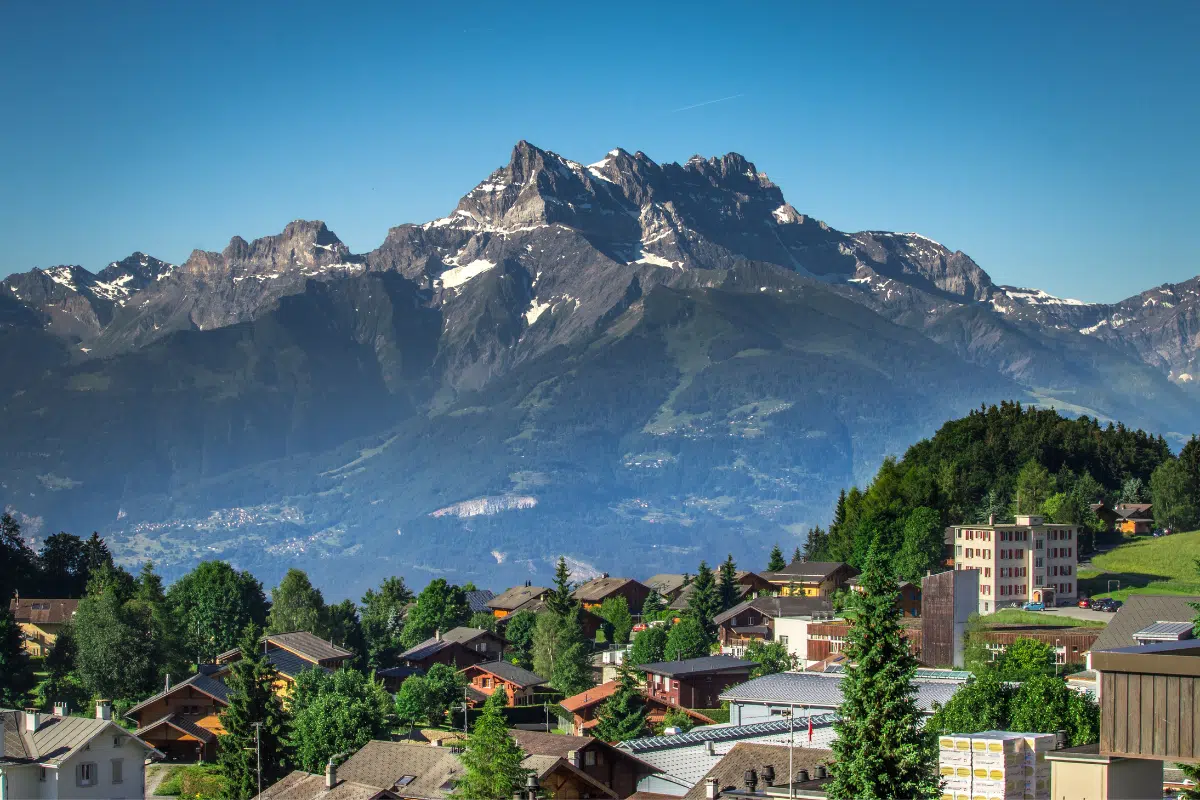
{"type": "Point", "coordinates": [180, 724]}
{"type": "Point", "coordinates": [385, 764]}
{"type": "Point", "coordinates": [39, 611]}
{"type": "Point", "coordinates": [546, 765]}
{"type": "Point", "coordinates": [598, 589]}
{"type": "Point", "coordinates": [1139, 611]}
{"type": "Point", "coordinates": [731, 769]}
{"type": "Point", "coordinates": [590, 697]}
{"type": "Point", "coordinates": [540, 743]}
{"type": "Point", "coordinates": [805, 571]}
{"type": "Point", "coordinates": [775, 607]}
{"type": "Point", "coordinates": [301, 785]}
{"type": "Point", "coordinates": [516, 597]}
{"type": "Point", "coordinates": [304, 644]}
{"type": "Point", "coordinates": [666, 583]}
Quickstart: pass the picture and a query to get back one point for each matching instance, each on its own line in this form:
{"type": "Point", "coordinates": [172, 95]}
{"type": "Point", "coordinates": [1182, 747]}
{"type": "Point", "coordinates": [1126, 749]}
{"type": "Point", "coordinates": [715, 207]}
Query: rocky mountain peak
{"type": "Point", "coordinates": [303, 245]}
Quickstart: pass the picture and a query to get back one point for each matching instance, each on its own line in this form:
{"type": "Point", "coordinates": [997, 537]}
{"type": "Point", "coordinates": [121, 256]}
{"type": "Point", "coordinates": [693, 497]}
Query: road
{"type": "Point", "coordinates": [1078, 613]}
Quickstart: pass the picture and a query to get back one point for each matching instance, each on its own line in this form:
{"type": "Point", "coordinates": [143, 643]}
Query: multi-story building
{"type": "Point", "coordinates": [1029, 561]}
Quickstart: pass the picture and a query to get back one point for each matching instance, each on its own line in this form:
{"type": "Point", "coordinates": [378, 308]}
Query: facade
{"type": "Point", "coordinates": [908, 601]}
{"type": "Point", "coordinates": [1029, 561]}
{"type": "Point", "coordinates": [810, 578]}
{"type": "Point", "coordinates": [616, 770]}
{"type": "Point", "coordinates": [40, 620]}
{"type": "Point", "coordinates": [1070, 644]}
{"type": "Point", "coordinates": [508, 601]}
{"type": "Point", "coordinates": [756, 620]}
{"type": "Point", "coordinates": [947, 601]}
{"type": "Point", "coordinates": [459, 647]}
{"type": "Point", "coordinates": [519, 685]}
{"type": "Point", "coordinates": [695, 682]}
{"type": "Point", "coordinates": [62, 758]}
{"type": "Point", "coordinates": [1134, 518]}
{"type": "Point", "coordinates": [581, 709]}
{"type": "Point", "coordinates": [183, 721]}
{"type": "Point", "coordinates": [1081, 773]}
{"type": "Point", "coordinates": [828, 638]}
{"type": "Point", "coordinates": [592, 594]}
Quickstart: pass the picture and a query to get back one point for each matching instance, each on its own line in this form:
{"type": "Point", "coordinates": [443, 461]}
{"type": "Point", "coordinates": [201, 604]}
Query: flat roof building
{"type": "Point", "coordinates": [1029, 561]}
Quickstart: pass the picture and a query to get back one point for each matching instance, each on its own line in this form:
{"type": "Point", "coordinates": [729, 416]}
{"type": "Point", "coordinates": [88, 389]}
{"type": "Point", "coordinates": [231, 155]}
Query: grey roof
{"type": "Point", "coordinates": [666, 583]}
{"type": "Point", "coordinates": [300, 785]}
{"type": "Point", "coordinates": [511, 673]}
{"type": "Point", "coordinates": [1166, 631]}
{"type": "Point", "coordinates": [384, 764]}
{"type": "Point", "coordinates": [179, 723]}
{"type": "Point", "coordinates": [15, 748]}
{"type": "Point", "coordinates": [745, 755]}
{"type": "Point", "coordinates": [681, 602]}
{"type": "Point", "coordinates": [724, 733]}
{"type": "Point", "coordinates": [429, 647]}
{"type": "Point", "coordinates": [516, 597]}
{"type": "Point", "coordinates": [1140, 611]}
{"type": "Point", "coordinates": [212, 687]}
{"type": "Point", "coordinates": [56, 738]}
{"type": "Point", "coordinates": [289, 664]}
{"type": "Point", "coordinates": [478, 600]}
{"type": "Point", "coordinates": [822, 690]}
{"type": "Point", "coordinates": [597, 589]}
{"type": "Point", "coordinates": [923, 673]}
{"type": "Point", "coordinates": [694, 666]}
{"type": "Point", "coordinates": [306, 644]}
{"type": "Point", "coordinates": [776, 607]}
{"type": "Point", "coordinates": [805, 570]}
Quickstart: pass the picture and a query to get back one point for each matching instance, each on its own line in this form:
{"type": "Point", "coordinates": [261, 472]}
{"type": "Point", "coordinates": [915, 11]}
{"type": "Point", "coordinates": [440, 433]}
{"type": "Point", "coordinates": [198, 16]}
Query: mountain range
{"type": "Point", "coordinates": [632, 364]}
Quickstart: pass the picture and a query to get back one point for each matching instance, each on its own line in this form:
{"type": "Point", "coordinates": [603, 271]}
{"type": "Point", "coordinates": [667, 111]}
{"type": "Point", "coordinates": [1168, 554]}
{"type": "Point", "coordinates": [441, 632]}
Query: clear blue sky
{"type": "Point", "coordinates": [1053, 142]}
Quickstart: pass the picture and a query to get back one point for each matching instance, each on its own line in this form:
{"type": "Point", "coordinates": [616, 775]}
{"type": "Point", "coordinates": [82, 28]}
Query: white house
{"type": "Point", "coordinates": [56, 757]}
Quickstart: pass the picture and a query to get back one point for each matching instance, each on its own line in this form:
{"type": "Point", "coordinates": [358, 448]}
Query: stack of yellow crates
{"type": "Point", "coordinates": [997, 766]}
{"type": "Point", "coordinates": [954, 766]}
{"type": "Point", "coordinates": [1037, 768]}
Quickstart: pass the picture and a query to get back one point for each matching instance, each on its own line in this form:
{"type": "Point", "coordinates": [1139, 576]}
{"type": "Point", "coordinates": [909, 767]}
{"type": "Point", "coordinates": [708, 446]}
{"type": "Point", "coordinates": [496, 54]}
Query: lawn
{"type": "Point", "coordinates": [1014, 616]}
{"type": "Point", "coordinates": [1166, 565]}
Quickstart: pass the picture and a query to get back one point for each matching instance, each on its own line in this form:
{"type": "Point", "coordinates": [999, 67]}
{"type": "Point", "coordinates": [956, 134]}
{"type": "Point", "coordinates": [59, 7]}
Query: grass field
{"type": "Point", "coordinates": [1015, 616]}
{"type": "Point", "coordinates": [1167, 565]}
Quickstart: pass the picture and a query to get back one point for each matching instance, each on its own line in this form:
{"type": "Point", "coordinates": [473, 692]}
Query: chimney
{"type": "Point", "coordinates": [103, 710]}
{"type": "Point", "coordinates": [712, 789]}
{"type": "Point", "coordinates": [437, 635]}
{"type": "Point", "coordinates": [801, 776]}
{"type": "Point", "coordinates": [330, 775]}
{"type": "Point", "coordinates": [768, 775]}
{"type": "Point", "coordinates": [991, 519]}
{"type": "Point", "coordinates": [822, 773]}
{"type": "Point", "coordinates": [60, 709]}
{"type": "Point", "coordinates": [32, 720]}
{"type": "Point", "coordinates": [1060, 739]}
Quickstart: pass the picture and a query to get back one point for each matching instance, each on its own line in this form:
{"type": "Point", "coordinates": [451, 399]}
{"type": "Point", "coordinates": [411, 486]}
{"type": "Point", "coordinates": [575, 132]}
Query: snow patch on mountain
{"type": "Point", "coordinates": [457, 276]}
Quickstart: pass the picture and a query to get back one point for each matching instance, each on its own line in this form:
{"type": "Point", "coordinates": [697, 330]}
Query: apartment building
{"type": "Point", "coordinates": [1029, 561]}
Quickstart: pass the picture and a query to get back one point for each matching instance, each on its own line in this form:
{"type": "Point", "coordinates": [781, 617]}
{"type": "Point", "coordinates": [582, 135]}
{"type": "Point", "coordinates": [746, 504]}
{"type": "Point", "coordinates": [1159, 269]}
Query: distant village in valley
{"type": "Point", "coordinates": [723, 683]}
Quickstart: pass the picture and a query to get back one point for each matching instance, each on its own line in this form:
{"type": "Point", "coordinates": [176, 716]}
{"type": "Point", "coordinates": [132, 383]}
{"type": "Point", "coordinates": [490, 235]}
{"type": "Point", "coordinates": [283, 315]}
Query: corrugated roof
{"type": "Point", "coordinates": [729, 771]}
{"type": "Point", "coordinates": [515, 597]}
{"type": "Point", "coordinates": [725, 733]}
{"type": "Point", "coordinates": [511, 673]}
{"type": "Point", "coordinates": [1166, 631]}
{"type": "Point", "coordinates": [43, 611]}
{"type": "Point", "coordinates": [695, 666]}
{"type": "Point", "coordinates": [823, 690]}
{"type": "Point", "coordinates": [1140, 611]}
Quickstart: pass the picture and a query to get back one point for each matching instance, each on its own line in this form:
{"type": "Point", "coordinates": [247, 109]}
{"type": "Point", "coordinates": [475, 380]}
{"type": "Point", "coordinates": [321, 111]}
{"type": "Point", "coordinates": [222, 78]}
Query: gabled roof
{"type": "Point", "coordinates": [517, 596]}
{"type": "Point", "coordinates": [727, 733]}
{"type": "Point", "coordinates": [478, 599]}
{"type": "Point", "coordinates": [385, 764]}
{"type": "Point", "coordinates": [308, 646]}
{"type": "Point", "coordinates": [800, 571]}
{"type": "Point", "coordinates": [681, 602]}
{"type": "Point", "coordinates": [543, 766]}
{"type": "Point", "coordinates": [667, 583]}
{"type": "Point", "coordinates": [540, 743]}
{"type": "Point", "coordinates": [519, 676]}
{"type": "Point", "coordinates": [776, 607]}
{"type": "Point", "coordinates": [598, 589]}
{"type": "Point", "coordinates": [590, 697]}
{"type": "Point", "coordinates": [289, 664]}
{"type": "Point", "coordinates": [179, 723]}
{"type": "Point", "coordinates": [1140, 611]}
{"type": "Point", "coordinates": [431, 646]}
{"type": "Point", "coordinates": [56, 738]}
{"type": "Point", "coordinates": [15, 750]}
{"type": "Point", "coordinates": [697, 666]}
{"type": "Point", "coordinates": [213, 687]}
{"type": "Point", "coordinates": [729, 771]}
{"type": "Point", "coordinates": [300, 785]}
{"type": "Point", "coordinates": [42, 611]}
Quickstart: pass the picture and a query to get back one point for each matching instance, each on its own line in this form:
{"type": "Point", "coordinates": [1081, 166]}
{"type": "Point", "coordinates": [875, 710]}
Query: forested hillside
{"type": "Point", "coordinates": [1000, 461]}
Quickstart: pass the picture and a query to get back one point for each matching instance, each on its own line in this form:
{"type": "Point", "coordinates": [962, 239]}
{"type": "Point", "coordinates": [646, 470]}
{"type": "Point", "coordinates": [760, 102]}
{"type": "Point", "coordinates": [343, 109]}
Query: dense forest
{"type": "Point", "coordinates": [1000, 461]}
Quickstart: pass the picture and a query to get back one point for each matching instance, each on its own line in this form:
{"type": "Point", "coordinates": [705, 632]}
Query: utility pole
{"type": "Point", "coordinates": [258, 752]}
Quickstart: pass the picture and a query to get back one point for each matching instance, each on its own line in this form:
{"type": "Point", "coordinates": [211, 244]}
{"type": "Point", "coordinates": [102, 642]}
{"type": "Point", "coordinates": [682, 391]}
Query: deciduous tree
{"type": "Point", "coordinates": [772, 657]}
{"type": "Point", "coordinates": [615, 611]}
{"type": "Point", "coordinates": [334, 712]}
{"type": "Point", "coordinates": [383, 620]}
{"type": "Point", "coordinates": [213, 604]}
{"type": "Point", "coordinates": [649, 646]}
{"type": "Point", "coordinates": [441, 606]}
{"type": "Point", "coordinates": [686, 639]}
{"type": "Point", "coordinates": [979, 705]}
{"type": "Point", "coordinates": [297, 605]}
{"type": "Point", "coordinates": [519, 635]}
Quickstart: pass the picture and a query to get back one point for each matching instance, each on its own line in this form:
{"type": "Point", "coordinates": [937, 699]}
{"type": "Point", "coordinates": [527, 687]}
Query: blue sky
{"type": "Point", "coordinates": [1053, 142]}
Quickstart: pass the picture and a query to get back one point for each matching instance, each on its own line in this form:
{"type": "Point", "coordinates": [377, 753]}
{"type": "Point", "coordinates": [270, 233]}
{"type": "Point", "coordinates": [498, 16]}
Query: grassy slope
{"type": "Point", "coordinates": [1013, 616]}
{"type": "Point", "coordinates": [1167, 565]}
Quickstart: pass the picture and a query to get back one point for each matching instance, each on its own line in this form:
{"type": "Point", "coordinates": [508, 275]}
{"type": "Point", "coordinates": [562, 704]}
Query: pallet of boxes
{"type": "Point", "coordinates": [995, 765]}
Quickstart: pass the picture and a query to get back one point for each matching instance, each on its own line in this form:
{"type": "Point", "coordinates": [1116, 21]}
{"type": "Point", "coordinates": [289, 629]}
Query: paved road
{"type": "Point", "coordinates": [1078, 613]}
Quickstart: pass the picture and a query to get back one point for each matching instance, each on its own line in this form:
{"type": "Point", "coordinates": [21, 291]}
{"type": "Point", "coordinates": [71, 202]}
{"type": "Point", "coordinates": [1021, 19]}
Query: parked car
{"type": "Point", "coordinates": [1034, 607]}
{"type": "Point", "coordinates": [1106, 604]}
{"type": "Point", "coordinates": [1085, 602]}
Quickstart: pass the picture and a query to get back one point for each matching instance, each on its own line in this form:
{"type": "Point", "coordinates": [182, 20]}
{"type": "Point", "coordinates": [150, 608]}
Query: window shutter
{"type": "Point", "coordinates": [79, 775]}
{"type": "Point", "coordinates": [118, 770]}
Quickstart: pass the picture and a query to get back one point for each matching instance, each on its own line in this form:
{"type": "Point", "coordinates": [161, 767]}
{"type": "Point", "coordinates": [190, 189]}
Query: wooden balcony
{"type": "Point", "coordinates": [1150, 701]}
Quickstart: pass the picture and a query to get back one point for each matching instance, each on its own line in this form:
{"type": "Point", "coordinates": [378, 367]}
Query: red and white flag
{"type": "Point", "coordinates": [810, 728]}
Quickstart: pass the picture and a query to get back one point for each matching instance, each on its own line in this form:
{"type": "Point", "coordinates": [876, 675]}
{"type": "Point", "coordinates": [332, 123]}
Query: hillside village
{"type": "Point", "coordinates": [722, 683]}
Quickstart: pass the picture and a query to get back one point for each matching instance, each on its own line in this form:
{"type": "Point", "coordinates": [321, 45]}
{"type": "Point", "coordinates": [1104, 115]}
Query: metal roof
{"type": "Point", "coordinates": [478, 599]}
{"type": "Point", "coordinates": [1166, 631]}
{"type": "Point", "coordinates": [1140, 611]}
{"type": "Point", "coordinates": [214, 688]}
{"type": "Point", "coordinates": [693, 666]}
{"type": "Point", "coordinates": [725, 733]}
{"type": "Point", "coordinates": [922, 673]}
{"type": "Point", "coordinates": [823, 690]}
{"type": "Point", "coordinates": [511, 673]}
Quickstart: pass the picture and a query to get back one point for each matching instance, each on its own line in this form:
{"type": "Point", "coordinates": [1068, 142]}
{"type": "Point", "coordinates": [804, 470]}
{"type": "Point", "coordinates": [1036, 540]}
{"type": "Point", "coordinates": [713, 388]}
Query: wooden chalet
{"type": "Point", "coordinates": [511, 600]}
{"type": "Point", "coordinates": [593, 593]}
{"type": "Point", "coordinates": [183, 721]}
{"type": "Point", "coordinates": [290, 654]}
{"type": "Point", "coordinates": [518, 684]}
{"type": "Point", "coordinates": [459, 647]}
{"type": "Point", "coordinates": [582, 708]}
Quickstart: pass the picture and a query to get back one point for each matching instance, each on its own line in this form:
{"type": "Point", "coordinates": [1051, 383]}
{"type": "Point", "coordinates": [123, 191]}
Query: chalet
{"type": "Point", "coordinates": [290, 654]}
{"type": "Point", "coordinates": [510, 600]}
{"type": "Point", "coordinates": [728, 777]}
{"type": "Point", "coordinates": [1105, 514]}
{"type": "Point", "coordinates": [1134, 518]}
{"type": "Point", "coordinates": [810, 578]}
{"type": "Point", "coordinates": [520, 685]}
{"type": "Point", "coordinates": [754, 620]}
{"type": "Point", "coordinates": [749, 585]}
{"type": "Point", "coordinates": [668, 585]}
{"type": "Point", "coordinates": [581, 709]}
{"type": "Point", "coordinates": [478, 600]}
{"type": "Point", "coordinates": [695, 682]}
{"type": "Point", "coordinates": [592, 594]}
{"type": "Point", "coordinates": [183, 721]}
{"type": "Point", "coordinates": [908, 599]}
{"type": "Point", "coordinates": [618, 771]}
{"type": "Point", "coordinates": [40, 620]}
{"type": "Point", "coordinates": [589, 622]}
{"type": "Point", "coordinates": [45, 756]}
{"type": "Point", "coordinates": [458, 647]}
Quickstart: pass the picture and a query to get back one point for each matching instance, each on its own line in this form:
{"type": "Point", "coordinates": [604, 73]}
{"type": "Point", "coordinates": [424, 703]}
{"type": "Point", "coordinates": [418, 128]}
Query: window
{"type": "Point", "coordinates": [118, 770]}
{"type": "Point", "coordinates": [118, 741]}
{"type": "Point", "coordinates": [783, 640]}
{"type": "Point", "coordinates": [589, 758]}
{"type": "Point", "coordinates": [85, 774]}
{"type": "Point", "coordinates": [42, 774]}
{"type": "Point", "coordinates": [987, 572]}
{"type": "Point", "coordinates": [958, 550]}
{"type": "Point", "coordinates": [1038, 562]}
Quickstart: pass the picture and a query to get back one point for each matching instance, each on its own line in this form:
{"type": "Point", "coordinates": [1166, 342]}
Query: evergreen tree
{"type": "Point", "coordinates": [796, 554]}
{"type": "Point", "coordinates": [727, 589]}
{"type": "Point", "coordinates": [213, 604]}
{"type": "Point", "coordinates": [95, 554]}
{"type": "Point", "coordinates": [572, 672]}
{"type": "Point", "coordinates": [559, 600]}
{"type": "Point", "coordinates": [491, 759]}
{"type": "Point", "coordinates": [649, 646]}
{"type": "Point", "coordinates": [383, 620]}
{"type": "Point", "coordinates": [441, 606]}
{"type": "Point", "coordinates": [252, 699]}
{"type": "Point", "coordinates": [816, 545]}
{"type": "Point", "coordinates": [922, 547]}
{"type": "Point", "coordinates": [64, 565]}
{"type": "Point", "coordinates": [704, 602]}
{"type": "Point", "coordinates": [344, 627]}
{"type": "Point", "coordinates": [519, 634]}
{"type": "Point", "coordinates": [615, 611]}
{"type": "Point", "coordinates": [334, 712]}
{"type": "Point", "coordinates": [653, 606]}
{"type": "Point", "coordinates": [18, 563]}
{"type": "Point", "coordinates": [623, 715]}
{"type": "Point", "coordinates": [881, 750]}
{"type": "Point", "coordinates": [685, 640]}
{"type": "Point", "coordinates": [775, 562]}
{"type": "Point", "coordinates": [150, 599]}
{"type": "Point", "coordinates": [1174, 498]}
{"type": "Point", "coordinates": [14, 664]}
{"type": "Point", "coordinates": [297, 605]}
{"type": "Point", "coordinates": [839, 513]}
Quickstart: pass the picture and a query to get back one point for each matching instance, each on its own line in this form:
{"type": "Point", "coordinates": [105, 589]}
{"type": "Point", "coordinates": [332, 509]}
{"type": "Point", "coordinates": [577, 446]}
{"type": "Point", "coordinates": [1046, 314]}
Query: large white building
{"type": "Point", "coordinates": [1029, 561]}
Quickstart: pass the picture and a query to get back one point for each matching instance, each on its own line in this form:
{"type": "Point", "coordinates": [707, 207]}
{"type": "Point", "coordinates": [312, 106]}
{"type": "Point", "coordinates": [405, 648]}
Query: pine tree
{"type": "Point", "coordinates": [572, 671]}
{"type": "Point", "coordinates": [797, 555]}
{"type": "Point", "coordinates": [252, 699]}
{"type": "Point", "coordinates": [839, 514]}
{"type": "Point", "coordinates": [704, 602]}
{"type": "Point", "coordinates": [727, 589]}
{"type": "Point", "coordinates": [652, 606]}
{"type": "Point", "coordinates": [14, 664]}
{"type": "Point", "coordinates": [881, 750]}
{"type": "Point", "coordinates": [559, 600]}
{"type": "Point", "coordinates": [491, 760]}
{"type": "Point", "coordinates": [775, 562]}
{"type": "Point", "coordinates": [623, 715]}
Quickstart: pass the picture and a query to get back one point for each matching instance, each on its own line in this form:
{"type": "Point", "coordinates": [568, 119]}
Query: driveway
{"type": "Point", "coordinates": [1078, 613]}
